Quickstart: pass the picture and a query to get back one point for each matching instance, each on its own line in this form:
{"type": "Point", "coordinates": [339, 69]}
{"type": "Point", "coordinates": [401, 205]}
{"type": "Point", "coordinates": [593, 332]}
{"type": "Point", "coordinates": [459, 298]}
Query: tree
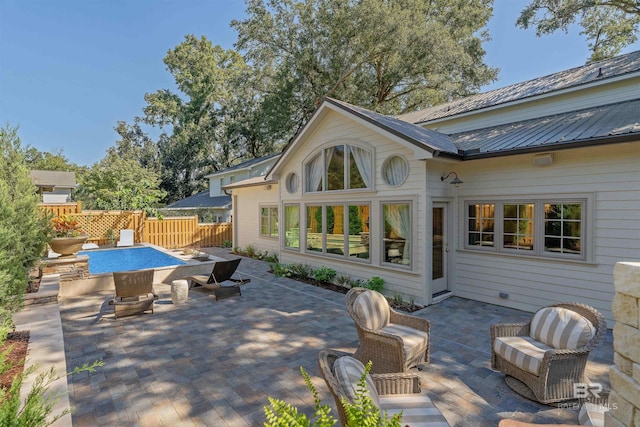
{"type": "Point", "coordinates": [609, 25]}
{"type": "Point", "coordinates": [136, 144]}
{"type": "Point", "coordinates": [51, 161]}
{"type": "Point", "coordinates": [24, 229]}
{"type": "Point", "coordinates": [388, 56]}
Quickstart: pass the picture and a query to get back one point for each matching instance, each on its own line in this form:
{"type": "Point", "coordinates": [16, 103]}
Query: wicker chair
{"type": "Point", "coordinates": [393, 341]}
{"type": "Point", "coordinates": [543, 358]}
{"type": "Point", "coordinates": [134, 292]}
{"type": "Point", "coordinates": [390, 392]}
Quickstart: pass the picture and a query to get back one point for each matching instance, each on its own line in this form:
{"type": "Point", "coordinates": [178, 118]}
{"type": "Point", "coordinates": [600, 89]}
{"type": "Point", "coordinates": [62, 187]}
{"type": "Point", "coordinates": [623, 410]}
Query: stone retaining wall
{"type": "Point", "coordinates": [625, 373]}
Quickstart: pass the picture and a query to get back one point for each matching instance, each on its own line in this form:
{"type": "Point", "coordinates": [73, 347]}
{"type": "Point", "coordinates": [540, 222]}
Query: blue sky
{"type": "Point", "coordinates": [70, 69]}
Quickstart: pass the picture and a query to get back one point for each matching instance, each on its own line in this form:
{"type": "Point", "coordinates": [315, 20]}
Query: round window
{"type": "Point", "coordinates": [395, 170]}
{"type": "Point", "coordinates": [292, 182]}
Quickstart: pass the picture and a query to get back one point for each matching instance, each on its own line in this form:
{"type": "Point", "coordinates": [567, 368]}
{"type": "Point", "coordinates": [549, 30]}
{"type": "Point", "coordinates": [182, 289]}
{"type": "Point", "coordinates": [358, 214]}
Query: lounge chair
{"type": "Point", "coordinates": [126, 238]}
{"type": "Point", "coordinates": [393, 341]}
{"type": "Point", "coordinates": [222, 272]}
{"type": "Point", "coordinates": [545, 357]}
{"type": "Point", "coordinates": [134, 292]}
{"type": "Point", "coordinates": [392, 392]}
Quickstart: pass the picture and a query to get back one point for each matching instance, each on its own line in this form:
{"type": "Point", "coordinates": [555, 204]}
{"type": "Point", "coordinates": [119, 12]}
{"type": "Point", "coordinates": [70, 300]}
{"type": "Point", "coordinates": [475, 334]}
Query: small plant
{"type": "Point", "coordinates": [250, 251]}
{"type": "Point", "coordinates": [227, 244]}
{"type": "Point", "coordinates": [281, 270]}
{"type": "Point", "coordinates": [343, 280]}
{"type": "Point", "coordinates": [271, 258]}
{"type": "Point", "coordinates": [324, 274]}
{"type": "Point", "coordinates": [65, 226]}
{"type": "Point", "coordinates": [375, 284]}
{"type": "Point", "coordinates": [302, 271]}
{"type": "Point", "coordinates": [397, 299]}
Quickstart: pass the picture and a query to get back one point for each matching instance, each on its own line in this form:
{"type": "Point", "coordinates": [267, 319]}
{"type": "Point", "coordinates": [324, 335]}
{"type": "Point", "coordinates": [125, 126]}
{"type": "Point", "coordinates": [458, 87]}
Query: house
{"type": "Point", "coordinates": [54, 186]}
{"type": "Point", "coordinates": [214, 205]}
{"type": "Point", "coordinates": [522, 196]}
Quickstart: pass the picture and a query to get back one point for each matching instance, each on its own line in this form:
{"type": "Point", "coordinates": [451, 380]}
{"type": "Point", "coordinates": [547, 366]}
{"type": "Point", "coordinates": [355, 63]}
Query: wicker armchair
{"type": "Point", "coordinates": [390, 392]}
{"type": "Point", "coordinates": [134, 292]}
{"type": "Point", "coordinates": [543, 358]}
{"type": "Point", "coordinates": [393, 341]}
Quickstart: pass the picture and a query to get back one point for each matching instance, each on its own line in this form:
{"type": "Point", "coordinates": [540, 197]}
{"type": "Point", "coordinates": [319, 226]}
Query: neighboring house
{"type": "Point", "coordinates": [215, 203]}
{"type": "Point", "coordinates": [522, 196]}
{"type": "Point", "coordinates": [54, 186]}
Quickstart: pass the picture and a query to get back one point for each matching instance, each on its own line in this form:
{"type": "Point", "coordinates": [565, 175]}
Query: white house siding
{"type": "Point", "coordinates": [58, 195]}
{"type": "Point", "coordinates": [611, 174]}
{"type": "Point", "coordinates": [214, 181]}
{"type": "Point", "coordinates": [246, 220]}
{"type": "Point", "coordinates": [335, 128]}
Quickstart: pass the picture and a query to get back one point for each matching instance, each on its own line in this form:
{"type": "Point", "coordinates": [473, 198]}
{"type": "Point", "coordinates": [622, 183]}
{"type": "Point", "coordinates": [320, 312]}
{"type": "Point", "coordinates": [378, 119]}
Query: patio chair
{"type": "Point", "coordinates": [126, 238]}
{"type": "Point", "coordinates": [222, 271]}
{"type": "Point", "coordinates": [134, 292]}
{"type": "Point", "coordinates": [393, 341]}
{"type": "Point", "coordinates": [390, 392]}
{"type": "Point", "coordinates": [543, 358]}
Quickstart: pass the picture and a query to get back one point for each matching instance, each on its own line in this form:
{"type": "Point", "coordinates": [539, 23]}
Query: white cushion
{"type": "Point", "coordinates": [417, 410]}
{"type": "Point", "coordinates": [523, 352]}
{"type": "Point", "coordinates": [561, 328]}
{"type": "Point", "coordinates": [414, 341]}
{"type": "Point", "coordinates": [372, 309]}
{"type": "Point", "coordinates": [348, 372]}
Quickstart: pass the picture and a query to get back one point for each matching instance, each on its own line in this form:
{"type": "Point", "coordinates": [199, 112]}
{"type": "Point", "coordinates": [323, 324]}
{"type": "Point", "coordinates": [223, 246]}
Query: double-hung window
{"type": "Point", "coordinates": [339, 167]}
{"type": "Point", "coordinates": [543, 227]}
{"type": "Point", "coordinates": [292, 226]}
{"type": "Point", "coordinates": [269, 221]}
{"type": "Point", "coordinates": [397, 233]}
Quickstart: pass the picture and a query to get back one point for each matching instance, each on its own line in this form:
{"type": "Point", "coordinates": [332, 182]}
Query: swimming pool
{"type": "Point", "coordinates": [110, 260]}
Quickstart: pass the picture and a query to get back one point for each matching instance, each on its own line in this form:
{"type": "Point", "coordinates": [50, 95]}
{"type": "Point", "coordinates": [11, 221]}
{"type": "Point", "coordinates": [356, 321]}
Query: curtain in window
{"type": "Point", "coordinates": [399, 218]}
{"type": "Point", "coordinates": [292, 225]}
{"type": "Point", "coordinates": [363, 162]}
{"type": "Point", "coordinates": [314, 173]}
{"type": "Point", "coordinates": [396, 170]}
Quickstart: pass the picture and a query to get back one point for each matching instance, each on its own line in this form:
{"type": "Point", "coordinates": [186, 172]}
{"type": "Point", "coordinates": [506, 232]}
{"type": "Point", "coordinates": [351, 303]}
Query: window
{"type": "Point", "coordinates": [292, 226]}
{"type": "Point", "coordinates": [338, 230]}
{"type": "Point", "coordinates": [292, 183]}
{"type": "Point", "coordinates": [395, 170]}
{"type": "Point", "coordinates": [535, 227]}
{"type": "Point", "coordinates": [269, 221]}
{"type": "Point", "coordinates": [397, 233]}
{"type": "Point", "coordinates": [340, 167]}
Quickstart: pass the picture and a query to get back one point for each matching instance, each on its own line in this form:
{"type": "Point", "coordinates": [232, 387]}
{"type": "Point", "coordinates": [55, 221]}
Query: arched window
{"type": "Point", "coordinates": [339, 167]}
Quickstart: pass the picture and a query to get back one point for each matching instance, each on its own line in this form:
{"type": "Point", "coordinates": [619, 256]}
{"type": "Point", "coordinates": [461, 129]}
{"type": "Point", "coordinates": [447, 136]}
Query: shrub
{"type": "Point", "coordinates": [302, 271]}
{"type": "Point", "coordinates": [250, 251]}
{"type": "Point", "coordinates": [270, 258]}
{"type": "Point", "coordinates": [281, 270]}
{"type": "Point", "coordinates": [227, 243]}
{"type": "Point", "coordinates": [324, 274]}
{"type": "Point", "coordinates": [343, 280]}
{"type": "Point", "coordinates": [375, 284]}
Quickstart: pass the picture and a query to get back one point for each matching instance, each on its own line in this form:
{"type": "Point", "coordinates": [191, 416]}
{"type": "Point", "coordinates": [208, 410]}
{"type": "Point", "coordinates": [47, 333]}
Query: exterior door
{"type": "Point", "coordinates": [439, 250]}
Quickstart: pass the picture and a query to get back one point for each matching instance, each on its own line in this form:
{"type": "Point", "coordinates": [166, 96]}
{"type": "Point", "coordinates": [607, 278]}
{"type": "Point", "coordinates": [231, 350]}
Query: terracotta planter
{"type": "Point", "coordinates": [66, 246]}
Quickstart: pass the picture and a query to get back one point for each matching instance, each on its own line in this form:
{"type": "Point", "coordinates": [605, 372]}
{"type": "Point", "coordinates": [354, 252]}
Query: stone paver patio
{"type": "Point", "coordinates": [209, 363]}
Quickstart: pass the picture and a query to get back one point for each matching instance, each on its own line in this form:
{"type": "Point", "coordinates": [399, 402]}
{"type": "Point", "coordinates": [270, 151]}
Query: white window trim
{"type": "Point", "coordinates": [300, 232]}
{"type": "Point", "coordinates": [539, 200]}
{"type": "Point", "coordinates": [269, 216]}
{"type": "Point", "coordinates": [412, 247]}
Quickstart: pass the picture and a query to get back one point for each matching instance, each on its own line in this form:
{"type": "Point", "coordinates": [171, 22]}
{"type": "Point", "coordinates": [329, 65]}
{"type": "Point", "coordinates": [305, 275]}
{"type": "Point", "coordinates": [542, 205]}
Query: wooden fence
{"type": "Point", "coordinates": [104, 227]}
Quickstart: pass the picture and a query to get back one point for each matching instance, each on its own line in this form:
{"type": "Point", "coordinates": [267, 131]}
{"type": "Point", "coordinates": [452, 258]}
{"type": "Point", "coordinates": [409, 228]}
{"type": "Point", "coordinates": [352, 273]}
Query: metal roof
{"type": "Point", "coordinates": [422, 137]}
{"type": "Point", "coordinates": [60, 179]}
{"type": "Point", "coordinates": [594, 72]}
{"type": "Point", "coordinates": [581, 126]}
{"type": "Point", "coordinates": [244, 165]}
{"type": "Point", "coordinates": [250, 182]}
{"type": "Point", "coordinates": [201, 200]}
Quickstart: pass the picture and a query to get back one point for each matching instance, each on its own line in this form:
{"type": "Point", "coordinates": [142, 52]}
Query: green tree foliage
{"type": "Point", "coordinates": [24, 230]}
{"type": "Point", "coordinates": [388, 56]}
{"type": "Point", "coordinates": [609, 25]}
{"type": "Point", "coordinates": [135, 144]}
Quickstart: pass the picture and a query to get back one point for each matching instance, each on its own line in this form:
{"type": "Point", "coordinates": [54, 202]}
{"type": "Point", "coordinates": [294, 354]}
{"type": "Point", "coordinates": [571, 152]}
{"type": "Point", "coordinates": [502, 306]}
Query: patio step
{"type": "Point", "coordinates": [47, 293]}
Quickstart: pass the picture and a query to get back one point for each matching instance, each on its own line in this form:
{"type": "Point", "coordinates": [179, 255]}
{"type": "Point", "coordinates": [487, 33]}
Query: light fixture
{"type": "Point", "coordinates": [455, 181]}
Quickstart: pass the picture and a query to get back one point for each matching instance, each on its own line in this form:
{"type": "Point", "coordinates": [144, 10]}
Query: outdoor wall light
{"type": "Point", "coordinates": [455, 181]}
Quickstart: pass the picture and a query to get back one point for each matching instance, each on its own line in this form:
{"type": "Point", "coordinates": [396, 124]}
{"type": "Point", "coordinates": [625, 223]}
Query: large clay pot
{"type": "Point", "coordinates": [66, 246]}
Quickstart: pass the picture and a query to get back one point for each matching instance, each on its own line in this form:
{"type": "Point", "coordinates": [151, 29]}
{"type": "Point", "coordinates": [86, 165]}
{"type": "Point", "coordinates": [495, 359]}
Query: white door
{"type": "Point", "coordinates": [439, 249]}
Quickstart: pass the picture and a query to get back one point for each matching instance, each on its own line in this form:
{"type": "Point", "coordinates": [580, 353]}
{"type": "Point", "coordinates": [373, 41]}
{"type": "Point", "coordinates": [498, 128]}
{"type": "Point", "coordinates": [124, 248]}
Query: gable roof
{"type": "Point", "coordinates": [248, 164]}
{"type": "Point", "coordinates": [593, 73]}
{"type": "Point", "coordinates": [59, 179]}
{"type": "Point", "coordinates": [250, 182]}
{"type": "Point", "coordinates": [201, 200]}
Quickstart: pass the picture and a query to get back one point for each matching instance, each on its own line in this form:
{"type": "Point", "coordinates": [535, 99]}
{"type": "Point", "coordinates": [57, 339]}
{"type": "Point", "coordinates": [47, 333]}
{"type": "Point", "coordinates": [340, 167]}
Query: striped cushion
{"type": "Point", "coordinates": [348, 372]}
{"type": "Point", "coordinates": [413, 340]}
{"type": "Point", "coordinates": [372, 309]}
{"type": "Point", "coordinates": [524, 352]}
{"type": "Point", "coordinates": [592, 415]}
{"type": "Point", "coordinates": [561, 328]}
{"type": "Point", "coordinates": [417, 410]}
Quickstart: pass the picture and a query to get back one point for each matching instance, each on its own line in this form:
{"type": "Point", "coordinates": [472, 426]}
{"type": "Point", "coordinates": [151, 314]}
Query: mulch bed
{"type": "Point", "coordinates": [18, 343]}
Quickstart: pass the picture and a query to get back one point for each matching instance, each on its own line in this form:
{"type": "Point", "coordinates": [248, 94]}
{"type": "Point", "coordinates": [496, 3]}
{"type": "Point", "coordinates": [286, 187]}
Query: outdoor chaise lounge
{"type": "Point", "coordinates": [222, 271]}
{"type": "Point", "coordinates": [126, 238]}
{"type": "Point", "coordinates": [545, 357]}
{"type": "Point", "coordinates": [390, 392]}
{"type": "Point", "coordinates": [134, 292]}
{"type": "Point", "coordinates": [393, 341]}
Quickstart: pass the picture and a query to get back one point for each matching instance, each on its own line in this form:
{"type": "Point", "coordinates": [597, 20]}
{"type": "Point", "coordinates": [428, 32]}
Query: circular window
{"type": "Point", "coordinates": [292, 182]}
{"type": "Point", "coordinates": [395, 170]}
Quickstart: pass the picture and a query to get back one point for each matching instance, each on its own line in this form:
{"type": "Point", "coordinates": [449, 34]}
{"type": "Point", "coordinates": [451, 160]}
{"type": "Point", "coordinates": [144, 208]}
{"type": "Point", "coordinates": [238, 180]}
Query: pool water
{"type": "Point", "coordinates": [110, 260]}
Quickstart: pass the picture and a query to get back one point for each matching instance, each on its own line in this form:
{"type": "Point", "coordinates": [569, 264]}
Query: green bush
{"type": "Point", "coordinates": [303, 271]}
{"type": "Point", "coordinates": [270, 258]}
{"type": "Point", "coordinates": [227, 243]}
{"type": "Point", "coordinates": [324, 274]}
{"type": "Point", "coordinates": [281, 270]}
{"type": "Point", "coordinates": [375, 284]}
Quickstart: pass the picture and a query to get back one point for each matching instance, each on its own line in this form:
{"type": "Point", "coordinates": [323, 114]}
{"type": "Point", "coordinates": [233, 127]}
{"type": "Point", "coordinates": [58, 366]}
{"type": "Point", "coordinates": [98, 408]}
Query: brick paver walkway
{"type": "Point", "coordinates": [209, 363]}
